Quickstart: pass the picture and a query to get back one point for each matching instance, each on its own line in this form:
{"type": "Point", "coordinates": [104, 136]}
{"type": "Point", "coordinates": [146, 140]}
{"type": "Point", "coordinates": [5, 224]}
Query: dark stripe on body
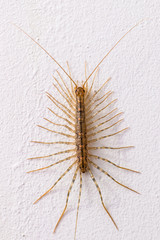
{"type": "Point", "coordinates": [81, 139]}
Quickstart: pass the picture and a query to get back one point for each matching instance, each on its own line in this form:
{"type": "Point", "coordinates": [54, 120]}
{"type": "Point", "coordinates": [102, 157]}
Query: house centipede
{"type": "Point", "coordinates": [77, 114]}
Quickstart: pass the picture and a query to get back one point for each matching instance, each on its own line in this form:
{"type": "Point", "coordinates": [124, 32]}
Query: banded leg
{"type": "Point", "coordinates": [98, 99]}
{"type": "Point", "coordinates": [96, 166]}
{"type": "Point", "coordinates": [54, 100]}
{"type": "Point", "coordinates": [104, 129]}
{"type": "Point", "coordinates": [106, 160]}
{"type": "Point", "coordinates": [61, 125]}
{"type": "Point", "coordinates": [110, 135]}
{"type": "Point", "coordinates": [95, 114]}
{"type": "Point", "coordinates": [61, 133]}
{"type": "Point", "coordinates": [86, 76]}
{"type": "Point", "coordinates": [70, 76]}
{"type": "Point", "coordinates": [94, 180]}
{"type": "Point", "coordinates": [67, 143]}
{"type": "Point", "coordinates": [54, 154]}
{"type": "Point", "coordinates": [89, 123]}
{"type": "Point", "coordinates": [95, 148]}
{"type": "Point", "coordinates": [71, 96]}
{"type": "Point", "coordinates": [92, 83]}
{"type": "Point", "coordinates": [66, 159]}
{"type": "Point", "coordinates": [100, 124]}
{"type": "Point", "coordinates": [99, 89]}
{"type": "Point", "coordinates": [65, 119]}
{"type": "Point", "coordinates": [70, 167]}
{"type": "Point", "coordinates": [79, 198]}
{"type": "Point", "coordinates": [109, 94]}
{"type": "Point", "coordinates": [68, 97]}
{"type": "Point", "coordinates": [67, 100]}
{"type": "Point", "coordinates": [70, 188]}
{"type": "Point", "coordinates": [67, 114]}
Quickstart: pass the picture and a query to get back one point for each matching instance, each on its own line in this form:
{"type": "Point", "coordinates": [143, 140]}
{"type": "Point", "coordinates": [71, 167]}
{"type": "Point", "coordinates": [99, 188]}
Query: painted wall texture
{"type": "Point", "coordinates": [79, 31]}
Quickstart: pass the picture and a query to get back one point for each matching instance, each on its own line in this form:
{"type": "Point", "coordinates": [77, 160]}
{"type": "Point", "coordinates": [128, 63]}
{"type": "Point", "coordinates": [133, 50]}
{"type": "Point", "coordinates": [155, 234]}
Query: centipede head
{"type": "Point", "coordinates": [79, 91]}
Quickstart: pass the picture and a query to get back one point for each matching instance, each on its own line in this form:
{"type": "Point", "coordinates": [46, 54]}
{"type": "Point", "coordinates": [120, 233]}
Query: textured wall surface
{"type": "Point", "coordinates": [77, 31]}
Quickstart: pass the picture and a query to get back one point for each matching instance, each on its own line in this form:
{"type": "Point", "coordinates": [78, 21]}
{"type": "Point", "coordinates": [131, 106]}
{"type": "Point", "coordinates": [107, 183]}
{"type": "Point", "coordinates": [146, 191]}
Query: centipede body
{"type": "Point", "coordinates": [79, 121]}
{"type": "Point", "coordinates": [80, 129]}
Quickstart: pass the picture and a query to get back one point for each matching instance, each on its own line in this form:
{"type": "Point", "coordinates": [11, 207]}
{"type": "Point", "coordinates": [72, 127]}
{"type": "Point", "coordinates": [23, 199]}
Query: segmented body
{"type": "Point", "coordinates": [81, 151]}
{"type": "Point", "coordinates": [80, 129]}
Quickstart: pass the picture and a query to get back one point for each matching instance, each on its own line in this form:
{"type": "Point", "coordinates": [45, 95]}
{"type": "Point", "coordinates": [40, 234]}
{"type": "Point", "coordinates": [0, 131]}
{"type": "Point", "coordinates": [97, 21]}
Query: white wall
{"type": "Point", "coordinates": [77, 31]}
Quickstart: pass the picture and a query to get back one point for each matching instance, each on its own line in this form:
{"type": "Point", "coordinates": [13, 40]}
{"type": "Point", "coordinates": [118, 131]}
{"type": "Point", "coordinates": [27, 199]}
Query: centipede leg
{"type": "Point", "coordinates": [54, 154]}
{"type": "Point", "coordinates": [96, 120]}
{"type": "Point", "coordinates": [61, 125]}
{"type": "Point", "coordinates": [70, 76]}
{"type": "Point", "coordinates": [106, 160]}
{"type": "Point", "coordinates": [104, 129]}
{"type": "Point", "coordinates": [100, 124]}
{"type": "Point", "coordinates": [70, 188]}
{"type": "Point", "coordinates": [100, 169]}
{"type": "Point", "coordinates": [110, 135]}
{"type": "Point", "coordinates": [63, 160]}
{"type": "Point", "coordinates": [89, 91]}
{"type": "Point", "coordinates": [70, 167]}
{"type": "Point", "coordinates": [79, 198]}
{"type": "Point", "coordinates": [98, 188]}
{"type": "Point", "coordinates": [95, 114]}
{"type": "Point", "coordinates": [86, 76]}
{"type": "Point", "coordinates": [104, 147]}
{"type": "Point", "coordinates": [61, 133]}
{"type": "Point", "coordinates": [100, 89]}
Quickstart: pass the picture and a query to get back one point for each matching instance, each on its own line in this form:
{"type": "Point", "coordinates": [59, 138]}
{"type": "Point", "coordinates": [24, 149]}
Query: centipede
{"type": "Point", "coordinates": [82, 121]}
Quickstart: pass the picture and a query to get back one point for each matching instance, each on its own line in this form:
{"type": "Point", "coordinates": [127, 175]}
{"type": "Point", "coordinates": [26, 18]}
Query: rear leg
{"type": "Point", "coordinates": [56, 182]}
{"type": "Point", "coordinates": [79, 198]}
{"type": "Point", "coordinates": [70, 188]}
{"type": "Point", "coordinates": [94, 180]}
{"type": "Point", "coordinates": [100, 169]}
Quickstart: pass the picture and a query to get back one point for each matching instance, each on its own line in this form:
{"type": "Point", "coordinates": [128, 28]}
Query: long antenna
{"type": "Point", "coordinates": [45, 52]}
{"type": "Point", "coordinates": [111, 50]}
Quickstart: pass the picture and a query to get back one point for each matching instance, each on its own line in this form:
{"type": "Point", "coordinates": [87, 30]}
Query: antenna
{"type": "Point", "coordinates": [45, 52]}
{"type": "Point", "coordinates": [111, 50]}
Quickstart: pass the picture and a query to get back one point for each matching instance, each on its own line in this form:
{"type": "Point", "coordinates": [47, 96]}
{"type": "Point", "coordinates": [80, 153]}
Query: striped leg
{"type": "Point", "coordinates": [71, 96]}
{"type": "Point", "coordinates": [70, 167]}
{"type": "Point", "coordinates": [110, 135]}
{"type": "Point", "coordinates": [99, 89]}
{"type": "Point", "coordinates": [63, 89]}
{"type": "Point", "coordinates": [66, 159]}
{"type": "Point", "coordinates": [100, 124]}
{"type": "Point", "coordinates": [72, 88]}
{"type": "Point", "coordinates": [94, 180]}
{"type": "Point", "coordinates": [86, 76]}
{"type": "Point", "coordinates": [96, 166]}
{"type": "Point", "coordinates": [65, 119]}
{"type": "Point", "coordinates": [54, 154]}
{"type": "Point", "coordinates": [61, 133]}
{"type": "Point", "coordinates": [67, 100]}
{"type": "Point", "coordinates": [95, 148]}
{"type": "Point", "coordinates": [109, 94]}
{"type": "Point", "coordinates": [95, 114]}
{"type": "Point", "coordinates": [98, 99]}
{"type": "Point", "coordinates": [104, 129]}
{"type": "Point", "coordinates": [79, 198]}
{"type": "Point", "coordinates": [106, 160]}
{"type": "Point", "coordinates": [67, 143]}
{"type": "Point", "coordinates": [61, 125]}
{"type": "Point", "coordinates": [54, 100]}
{"type": "Point", "coordinates": [89, 91]}
{"type": "Point", "coordinates": [96, 120]}
{"type": "Point", "coordinates": [70, 188]}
